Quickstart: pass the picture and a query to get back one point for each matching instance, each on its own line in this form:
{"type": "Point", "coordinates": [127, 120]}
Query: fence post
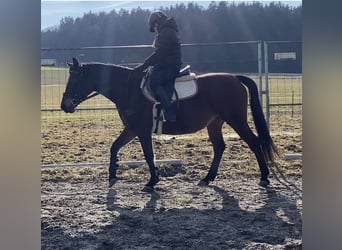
{"type": "Point", "coordinates": [260, 69]}
{"type": "Point", "coordinates": [266, 91]}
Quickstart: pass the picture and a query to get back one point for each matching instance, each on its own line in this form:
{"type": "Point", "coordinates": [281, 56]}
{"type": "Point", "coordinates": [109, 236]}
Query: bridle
{"type": "Point", "coordinates": [76, 101]}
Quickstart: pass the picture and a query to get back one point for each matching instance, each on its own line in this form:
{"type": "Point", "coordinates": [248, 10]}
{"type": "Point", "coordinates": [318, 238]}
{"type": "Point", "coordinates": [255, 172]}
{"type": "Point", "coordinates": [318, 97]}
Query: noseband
{"type": "Point", "coordinates": [77, 101]}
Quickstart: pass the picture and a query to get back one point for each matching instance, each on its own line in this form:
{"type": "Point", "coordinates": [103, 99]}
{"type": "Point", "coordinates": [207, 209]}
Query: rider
{"type": "Point", "coordinates": [166, 60]}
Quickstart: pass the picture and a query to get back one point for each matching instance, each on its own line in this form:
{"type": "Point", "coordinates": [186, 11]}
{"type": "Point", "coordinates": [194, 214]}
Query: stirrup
{"type": "Point", "coordinates": [160, 117]}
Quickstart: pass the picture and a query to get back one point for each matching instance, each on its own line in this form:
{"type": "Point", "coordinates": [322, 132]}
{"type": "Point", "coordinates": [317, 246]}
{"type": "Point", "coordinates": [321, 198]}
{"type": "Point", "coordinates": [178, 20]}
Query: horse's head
{"type": "Point", "coordinates": [77, 89]}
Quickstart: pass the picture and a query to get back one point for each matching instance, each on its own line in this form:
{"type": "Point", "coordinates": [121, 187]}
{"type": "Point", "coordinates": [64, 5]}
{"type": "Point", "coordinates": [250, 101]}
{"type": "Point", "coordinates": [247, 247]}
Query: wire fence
{"type": "Point", "coordinates": [96, 123]}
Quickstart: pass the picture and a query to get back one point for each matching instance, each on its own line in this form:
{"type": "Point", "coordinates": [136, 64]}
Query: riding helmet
{"type": "Point", "coordinates": [156, 17]}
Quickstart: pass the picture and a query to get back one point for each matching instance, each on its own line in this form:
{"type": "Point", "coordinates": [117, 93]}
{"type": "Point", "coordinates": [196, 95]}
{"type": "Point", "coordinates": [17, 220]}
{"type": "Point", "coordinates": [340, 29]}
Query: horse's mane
{"type": "Point", "coordinates": [109, 72]}
{"type": "Point", "coordinates": [109, 65]}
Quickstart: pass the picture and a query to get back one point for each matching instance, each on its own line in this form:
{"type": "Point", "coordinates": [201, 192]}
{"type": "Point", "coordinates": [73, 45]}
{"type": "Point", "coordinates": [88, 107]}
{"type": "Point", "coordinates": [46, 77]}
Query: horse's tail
{"type": "Point", "coordinates": [267, 145]}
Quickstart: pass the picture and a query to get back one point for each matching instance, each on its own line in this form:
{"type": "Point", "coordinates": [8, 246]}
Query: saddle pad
{"type": "Point", "coordinates": [185, 87]}
{"type": "Point", "coordinates": [186, 78]}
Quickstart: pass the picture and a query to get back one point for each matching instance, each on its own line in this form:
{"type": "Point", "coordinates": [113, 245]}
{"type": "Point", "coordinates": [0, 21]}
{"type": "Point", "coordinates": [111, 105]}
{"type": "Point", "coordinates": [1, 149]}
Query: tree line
{"type": "Point", "coordinates": [219, 22]}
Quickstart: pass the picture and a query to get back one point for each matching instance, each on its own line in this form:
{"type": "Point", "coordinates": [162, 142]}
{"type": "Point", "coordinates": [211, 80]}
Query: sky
{"type": "Point", "coordinates": [53, 11]}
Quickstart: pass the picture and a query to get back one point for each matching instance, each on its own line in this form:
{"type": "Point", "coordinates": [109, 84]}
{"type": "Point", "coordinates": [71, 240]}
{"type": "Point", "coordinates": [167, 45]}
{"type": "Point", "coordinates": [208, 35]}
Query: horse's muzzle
{"type": "Point", "coordinates": [68, 105]}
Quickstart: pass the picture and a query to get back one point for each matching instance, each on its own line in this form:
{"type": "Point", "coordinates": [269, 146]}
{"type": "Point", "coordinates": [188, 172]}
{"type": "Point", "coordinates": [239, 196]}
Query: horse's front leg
{"type": "Point", "coordinates": [146, 143]}
{"type": "Point", "coordinates": [125, 137]}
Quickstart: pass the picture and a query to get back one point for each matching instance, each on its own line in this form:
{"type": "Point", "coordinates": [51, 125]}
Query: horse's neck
{"type": "Point", "coordinates": [105, 79]}
{"type": "Point", "coordinates": [115, 83]}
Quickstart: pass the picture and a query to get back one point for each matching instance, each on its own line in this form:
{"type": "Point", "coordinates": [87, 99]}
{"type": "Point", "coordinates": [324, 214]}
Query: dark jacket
{"type": "Point", "coordinates": [167, 46]}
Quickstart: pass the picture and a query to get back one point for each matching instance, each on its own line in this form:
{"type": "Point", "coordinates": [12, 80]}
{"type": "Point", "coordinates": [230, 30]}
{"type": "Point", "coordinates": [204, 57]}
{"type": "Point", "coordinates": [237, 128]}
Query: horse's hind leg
{"type": "Point", "coordinates": [216, 138]}
{"type": "Point", "coordinates": [252, 140]}
{"type": "Point", "coordinates": [125, 137]}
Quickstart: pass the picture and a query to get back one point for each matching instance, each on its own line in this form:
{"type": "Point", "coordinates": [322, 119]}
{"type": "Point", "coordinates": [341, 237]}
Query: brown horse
{"type": "Point", "coordinates": [221, 98]}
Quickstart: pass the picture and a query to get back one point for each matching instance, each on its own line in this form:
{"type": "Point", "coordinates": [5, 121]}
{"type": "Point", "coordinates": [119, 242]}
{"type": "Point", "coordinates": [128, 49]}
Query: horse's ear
{"type": "Point", "coordinates": [69, 64]}
{"type": "Point", "coordinates": [75, 62]}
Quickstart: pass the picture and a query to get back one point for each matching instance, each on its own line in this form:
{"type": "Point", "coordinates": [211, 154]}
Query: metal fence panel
{"type": "Point", "coordinates": [98, 114]}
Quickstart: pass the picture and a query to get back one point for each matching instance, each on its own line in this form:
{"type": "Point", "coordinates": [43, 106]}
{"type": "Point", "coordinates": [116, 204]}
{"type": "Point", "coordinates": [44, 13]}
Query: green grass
{"type": "Point", "coordinates": [283, 89]}
{"type": "Point", "coordinates": [53, 75]}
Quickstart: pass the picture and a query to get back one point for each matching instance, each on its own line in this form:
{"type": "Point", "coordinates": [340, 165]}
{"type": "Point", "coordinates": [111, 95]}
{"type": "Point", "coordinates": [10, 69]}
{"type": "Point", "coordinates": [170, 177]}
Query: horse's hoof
{"type": "Point", "coordinates": [112, 182]}
{"type": "Point", "coordinates": [148, 189]}
{"type": "Point", "coordinates": [264, 183]}
{"type": "Point", "coordinates": [203, 183]}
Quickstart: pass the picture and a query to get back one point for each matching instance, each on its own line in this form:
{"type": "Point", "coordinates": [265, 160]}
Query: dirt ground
{"type": "Point", "coordinates": [79, 211]}
{"type": "Point", "coordinates": [232, 213]}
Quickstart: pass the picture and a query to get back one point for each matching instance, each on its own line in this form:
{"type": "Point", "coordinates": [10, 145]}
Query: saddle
{"type": "Point", "coordinates": [185, 85]}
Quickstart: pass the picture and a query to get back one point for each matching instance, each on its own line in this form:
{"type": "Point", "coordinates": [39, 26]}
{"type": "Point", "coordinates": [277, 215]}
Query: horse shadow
{"type": "Point", "coordinates": [276, 222]}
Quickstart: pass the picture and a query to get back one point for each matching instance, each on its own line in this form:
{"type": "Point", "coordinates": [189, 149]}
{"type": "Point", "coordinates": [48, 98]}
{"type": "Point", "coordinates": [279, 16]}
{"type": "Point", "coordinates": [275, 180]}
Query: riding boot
{"type": "Point", "coordinates": [169, 113]}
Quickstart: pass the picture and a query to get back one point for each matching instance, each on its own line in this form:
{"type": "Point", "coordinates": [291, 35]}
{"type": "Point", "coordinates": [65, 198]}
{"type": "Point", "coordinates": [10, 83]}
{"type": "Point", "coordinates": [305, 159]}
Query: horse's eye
{"type": "Point", "coordinates": [75, 72]}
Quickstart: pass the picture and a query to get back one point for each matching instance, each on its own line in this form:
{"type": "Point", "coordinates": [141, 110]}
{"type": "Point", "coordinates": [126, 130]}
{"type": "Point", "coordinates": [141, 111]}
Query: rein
{"type": "Point", "coordinates": [88, 97]}
{"type": "Point", "coordinates": [76, 102]}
